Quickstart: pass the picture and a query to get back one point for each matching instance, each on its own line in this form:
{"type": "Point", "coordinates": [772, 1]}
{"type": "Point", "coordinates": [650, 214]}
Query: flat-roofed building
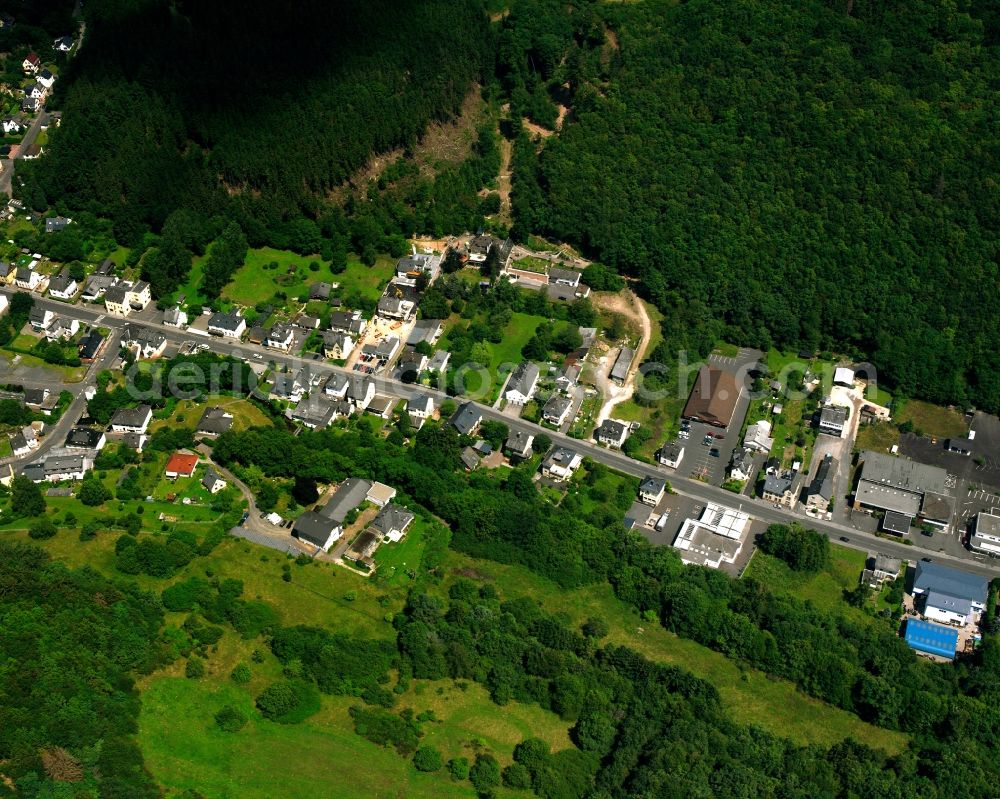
{"type": "Point", "coordinates": [986, 535]}
{"type": "Point", "coordinates": [905, 487]}
{"type": "Point", "coordinates": [716, 537]}
{"type": "Point", "coordinates": [714, 397]}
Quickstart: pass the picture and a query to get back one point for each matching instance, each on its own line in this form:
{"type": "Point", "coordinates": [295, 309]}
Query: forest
{"type": "Point", "coordinates": [815, 175]}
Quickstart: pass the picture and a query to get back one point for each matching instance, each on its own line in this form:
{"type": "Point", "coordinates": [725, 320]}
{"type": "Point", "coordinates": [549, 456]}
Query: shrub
{"type": "Point", "coordinates": [516, 776]}
{"type": "Point", "coordinates": [230, 719]}
{"type": "Point", "coordinates": [194, 668]}
{"type": "Point", "coordinates": [41, 529]}
{"type": "Point", "coordinates": [485, 773]}
{"type": "Point", "coordinates": [241, 674]}
{"type": "Point", "coordinates": [288, 702]}
{"type": "Point", "coordinates": [427, 758]}
{"type": "Point", "coordinates": [458, 767]}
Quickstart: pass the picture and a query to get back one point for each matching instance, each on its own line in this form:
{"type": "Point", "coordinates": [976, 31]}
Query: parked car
{"type": "Point", "coordinates": [714, 452]}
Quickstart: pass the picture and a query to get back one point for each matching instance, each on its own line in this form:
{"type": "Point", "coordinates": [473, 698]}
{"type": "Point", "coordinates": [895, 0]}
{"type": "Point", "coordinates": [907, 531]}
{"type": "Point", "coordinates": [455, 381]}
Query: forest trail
{"type": "Point", "coordinates": [630, 306]}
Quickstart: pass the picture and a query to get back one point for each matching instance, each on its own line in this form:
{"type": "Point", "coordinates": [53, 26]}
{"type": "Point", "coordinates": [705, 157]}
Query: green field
{"type": "Point", "coordinates": [879, 437]}
{"type": "Point", "coordinates": [824, 590]}
{"type": "Point", "coordinates": [931, 420]}
{"type": "Point", "coordinates": [750, 696]}
{"type": "Point", "coordinates": [532, 264]}
{"type": "Point", "coordinates": [187, 413]}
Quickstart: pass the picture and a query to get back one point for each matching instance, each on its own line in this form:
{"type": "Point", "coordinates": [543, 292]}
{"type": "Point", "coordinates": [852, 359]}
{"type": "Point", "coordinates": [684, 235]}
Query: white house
{"type": "Point", "coordinates": [143, 342]}
{"type": "Point", "coordinates": [27, 278]}
{"type": "Point", "coordinates": [652, 489]}
{"type": "Point", "coordinates": [612, 433]}
{"type": "Point", "coordinates": [4, 304]}
{"type": "Point", "coordinates": [62, 329]}
{"type": "Point", "coordinates": [758, 436]}
{"type": "Point", "coordinates": [175, 317]}
{"type": "Point", "coordinates": [40, 318]}
{"type": "Point", "coordinates": [280, 337]}
{"type": "Point", "coordinates": [11, 125]}
{"type": "Point", "coordinates": [561, 463]}
{"type": "Point", "coordinates": [421, 406]}
{"type": "Point", "coordinates": [556, 409]}
{"type": "Point", "coordinates": [522, 383]}
{"type": "Point", "coordinates": [31, 64]}
{"type": "Point", "coordinates": [338, 346]}
{"type": "Point", "coordinates": [63, 287]}
{"type": "Point", "coordinates": [227, 325]}
{"type": "Point", "coordinates": [671, 454]}
{"type": "Point", "coordinates": [212, 482]}
{"type": "Point", "coordinates": [124, 297]}
{"type": "Point", "coordinates": [23, 442]}
{"type": "Point", "coordinates": [45, 78]}
{"type": "Point", "coordinates": [132, 420]}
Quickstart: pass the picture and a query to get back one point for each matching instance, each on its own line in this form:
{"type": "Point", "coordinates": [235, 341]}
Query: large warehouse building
{"type": "Point", "coordinates": [903, 488]}
{"type": "Point", "coordinates": [714, 397]}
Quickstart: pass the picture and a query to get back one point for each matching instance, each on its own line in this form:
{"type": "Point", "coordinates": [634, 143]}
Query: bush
{"type": "Point", "coordinates": [458, 767]}
{"type": "Point", "coordinates": [427, 758]}
{"type": "Point", "coordinates": [194, 668]}
{"type": "Point", "coordinates": [289, 702]}
{"type": "Point", "coordinates": [230, 719]}
{"type": "Point", "coordinates": [41, 529]}
{"type": "Point", "coordinates": [803, 550]}
{"type": "Point", "coordinates": [516, 776]}
{"type": "Point", "coordinates": [485, 773]}
{"type": "Point", "coordinates": [241, 674]}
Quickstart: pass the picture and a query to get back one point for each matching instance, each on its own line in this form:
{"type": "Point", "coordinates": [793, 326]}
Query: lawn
{"type": "Point", "coordinates": [397, 560]}
{"type": "Point", "coordinates": [5, 448]}
{"type": "Point", "coordinates": [187, 413]}
{"type": "Point", "coordinates": [532, 264]}
{"type": "Point", "coordinates": [184, 749]}
{"type": "Point", "coordinates": [878, 437]}
{"type": "Point", "coordinates": [726, 349]}
{"type": "Point", "coordinates": [824, 590]}
{"type": "Point", "coordinates": [750, 696]}
{"type": "Point", "coordinates": [931, 420]}
{"type": "Point", "coordinates": [519, 330]}
{"type": "Point", "coordinates": [191, 287]}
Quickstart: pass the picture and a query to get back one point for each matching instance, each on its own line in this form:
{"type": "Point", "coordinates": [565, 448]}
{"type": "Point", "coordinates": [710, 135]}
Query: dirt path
{"type": "Point", "coordinates": [504, 178]}
{"type": "Point", "coordinates": [629, 305]}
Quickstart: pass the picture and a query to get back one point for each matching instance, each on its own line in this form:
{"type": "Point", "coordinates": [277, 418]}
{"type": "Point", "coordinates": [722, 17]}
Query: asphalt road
{"type": "Point", "coordinates": [842, 534]}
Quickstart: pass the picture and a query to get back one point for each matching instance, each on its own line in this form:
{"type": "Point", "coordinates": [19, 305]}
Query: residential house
{"type": "Point", "coordinates": [227, 325]}
{"type": "Point", "coordinates": [90, 346]}
{"type": "Point", "coordinates": [843, 376]}
{"type": "Point", "coordinates": [565, 277]}
{"type": "Point", "coordinates": [45, 79]}
{"type": "Point", "coordinates": [56, 224]}
{"type": "Point", "coordinates": [27, 278]}
{"type": "Point", "coordinates": [31, 64]}
{"type": "Point", "coordinates": [741, 467]}
{"type": "Point", "coordinates": [7, 273]}
{"type": "Point", "coordinates": [522, 383]}
{"type": "Point", "coordinates": [96, 285]}
{"type": "Point", "coordinates": [337, 385]}
{"type": "Point", "coordinates": [561, 463]}
{"type": "Point", "coordinates": [782, 488]}
{"type": "Point", "coordinates": [63, 44]}
{"type": "Point", "coordinates": [256, 335]}
{"type": "Point", "coordinates": [12, 125]}
{"type": "Point", "coordinates": [360, 391]}
{"type": "Point", "coordinates": [411, 364]}
{"type": "Point", "coordinates": [280, 337]}
{"type": "Point", "coordinates": [758, 436]}
{"type": "Point", "coordinates": [351, 323]}
{"type": "Point", "coordinates": [90, 438]}
{"type": "Point", "coordinates": [556, 409]}
{"type": "Point", "coordinates": [819, 494]}
{"type": "Point", "coordinates": [716, 537]}
{"type": "Point", "coordinates": [381, 352]}
{"type": "Point", "coordinates": [612, 433]}
{"type": "Point", "coordinates": [416, 267]}
{"type": "Point", "coordinates": [479, 248]}
{"type": "Point", "coordinates": [143, 342]}
{"type": "Point", "coordinates": [307, 322]}
{"type": "Point", "coordinates": [568, 377]}
{"type": "Point", "coordinates": [671, 454]}
{"type": "Point", "coordinates": [36, 397]}
{"type": "Point", "coordinates": [124, 297]}
{"type": "Point", "coordinates": [467, 419]}
{"type": "Point", "coordinates": [214, 421]}
{"type": "Point", "coordinates": [881, 569]}
{"type": "Point", "coordinates": [652, 489]}
{"type": "Point", "coordinates": [58, 468]}
{"type": "Point", "coordinates": [833, 420]}
{"type": "Point", "coordinates": [393, 521]}
{"type": "Point", "coordinates": [63, 287]}
{"type": "Point", "coordinates": [425, 330]}
{"type": "Point", "coordinates": [439, 362]}
{"type": "Point", "coordinates": [132, 420]}
{"type": "Point", "coordinates": [40, 318]}
{"type": "Point", "coordinates": [470, 459]}
{"type": "Point", "coordinates": [212, 481]}
{"type": "Point", "coordinates": [420, 407]}
{"type": "Point", "coordinates": [338, 346]}
{"type": "Point", "coordinates": [314, 528]}
{"type": "Point", "coordinates": [348, 496]}
{"type": "Point", "coordinates": [23, 442]}
{"type": "Point", "coordinates": [62, 328]}
{"type": "Point", "coordinates": [181, 464]}
{"type": "Point", "coordinates": [320, 290]}
{"type": "Point", "coordinates": [399, 301]}
{"type": "Point", "coordinates": [29, 105]}
{"type": "Point", "coordinates": [315, 412]}
{"type": "Point", "coordinates": [288, 386]}
{"type": "Point", "coordinates": [175, 317]}
{"type": "Point", "coordinates": [518, 444]}
{"type": "Point", "coordinates": [136, 441]}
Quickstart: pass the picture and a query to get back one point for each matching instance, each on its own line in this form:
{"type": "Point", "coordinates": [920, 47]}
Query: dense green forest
{"type": "Point", "coordinates": [816, 174]}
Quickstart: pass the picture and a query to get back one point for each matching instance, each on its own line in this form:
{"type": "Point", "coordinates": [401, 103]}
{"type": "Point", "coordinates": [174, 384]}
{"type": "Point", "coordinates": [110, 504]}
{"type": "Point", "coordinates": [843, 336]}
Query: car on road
{"type": "Point", "coordinates": [844, 538]}
{"type": "Point", "coordinates": [926, 560]}
{"type": "Point", "coordinates": [258, 356]}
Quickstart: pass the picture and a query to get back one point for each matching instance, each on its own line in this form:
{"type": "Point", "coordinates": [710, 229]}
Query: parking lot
{"type": "Point", "coordinates": [707, 460]}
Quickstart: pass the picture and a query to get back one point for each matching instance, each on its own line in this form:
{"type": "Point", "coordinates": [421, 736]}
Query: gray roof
{"type": "Point", "coordinates": [23, 273]}
{"type": "Point", "coordinates": [423, 330]}
{"type": "Point", "coordinates": [420, 402]}
{"type": "Point", "coordinates": [83, 438]}
{"type": "Point", "coordinates": [314, 528]}
{"type": "Point", "coordinates": [559, 456]}
{"type": "Point", "coordinates": [284, 385]}
{"type": "Point", "coordinates": [56, 223]}
{"type": "Point", "coordinates": [95, 284]}
{"type": "Point", "coordinates": [612, 429]}
{"type": "Point", "coordinates": [61, 283]}
{"type": "Point", "coordinates": [878, 467]}
{"type": "Point", "coordinates": [932, 576]}
{"type": "Point", "coordinates": [337, 383]}
{"type": "Point", "coordinates": [570, 276]}
{"type": "Point", "coordinates": [131, 417]}
{"type": "Point", "coordinates": [822, 483]}
{"type": "Point", "coordinates": [210, 478]}
{"type": "Point", "coordinates": [351, 493]}
{"type": "Point", "coordinates": [280, 332]}
{"type": "Point", "coordinates": [315, 411]}
{"type": "Point", "coordinates": [519, 441]}
{"type": "Point", "coordinates": [652, 485]}
{"type": "Point", "coordinates": [320, 290]}
{"type": "Point", "coordinates": [898, 523]}
{"type": "Point", "coordinates": [953, 604]}
{"type": "Point", "coordinates": [884, 563]}
{"type": "Point", "coordinates": [670, 451]}
{"type": "Point", "coordinates": [624, 360]}
{"type": "Point", "coordinates": [215, 420]}
{"type": "Point", "coordinates": [358, 387]}
{"type": "Point", "coordinates": [392, 517]}
{"type": "Point", "coordinates": [556, 406]}
{"type": "Point", "coordinates": [115, 294]}
{"type": "Point", "coordinates": [225, 321]}
{"type": "Point", "coordinates": [523, 378]}
{"type": "Point", "coordinates": [779, 483]}
{"type": "Point", "coordinates": [470, 458]}
{"type": "Point", "coordinates": [143, 336]}
{"type": "Point", "coordinates": [466, 418]}
{"type": "Point", "coordinates": [833, 415]}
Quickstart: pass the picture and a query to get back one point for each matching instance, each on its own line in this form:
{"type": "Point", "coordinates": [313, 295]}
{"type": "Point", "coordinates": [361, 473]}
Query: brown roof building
{"type": "Point", "coordinates": [713, 398]}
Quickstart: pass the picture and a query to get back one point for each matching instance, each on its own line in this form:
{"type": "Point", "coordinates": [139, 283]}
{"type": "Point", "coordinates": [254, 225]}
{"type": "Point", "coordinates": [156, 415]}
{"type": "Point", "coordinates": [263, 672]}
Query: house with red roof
{"type": "Point", "coordinates": [181, 464]}
{"type": "Point", "coordinates": [31, 64]}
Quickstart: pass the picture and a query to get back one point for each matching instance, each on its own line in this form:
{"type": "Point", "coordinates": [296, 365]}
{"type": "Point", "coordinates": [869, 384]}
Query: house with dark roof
{"type": "Point", "coordinates": [393, 521]}
{"type": "Point", "coordinates": [95, 286]}
{"type": "Point", "coordinates": [287, 386]}
{"type": "Point", "coordinates": [280, 337]}
{"type": "Point", "coordinates": [518, 444]}
{"type": "Point", "coordinates": [820, 491]}
{"type": "Point", "coordinates": [320, 290]}
{"type": "Point", "coordinates": [315, 412]}
{"type": "Point", "coordinates": [27, 278]}
{"type": "Point", "coordinates": [227, 325]}
{"type": "Point", "coordinates": [63, 287]}
{"type": "Point", "coordinates": [143, 342]}
{"type": "Point", "coordinates": [612, 433]}
{"type": "Point", "coordinates": [916, 490]}
{"type": "Point", "coordinates": [948, 595]}
{"type": "Point", "coordinates": [833, 420]}
{"type": "Point", "coordinates": [652, 489]}
{"type": "Point", "coordinates": [619, 372]}
{"type": "Point", "coordinates": [23, 442]}
{"type": "Point", "coordinates": [337, 346]}
{"type": "Point", "coordinates": [58, 468]}
{"type": "Point", "coordinates": [351, 323]}
{"type": "Point", "coordinates": [741, 467]}
{"type": "Point", "coordinates": [470, 459]}
{"type": "Point", "coordinates": [561, 464]}
{"type": "Point", "coordinates": [671, 454]}
{"type": "Point", "coordinates": [56, 224]}
{"type": "Point", "coordinates": [522, 383]}
{"type": "Point", "coordinates": [214, 421]}
{"type": "Point", "coordinates": [467, 419]}
{"type": "Point", "coordinates": [314, 528]}
{"type": "Point", "coordinates": [428, 330]}
{"type": "Point", "coordinates": [132, 420]}
{"type": "Point", "coordinates": [782, 488]}
{"type": "Point", "coordinates": [40, 318]}
{"type": "Point", "coordinates": [85, 438]}
{"type": "Point", "coordinates": [175, 317]}
{"type": "Point", "coordinates": [556, 409]}
{"type": "Point", "coordinates": [212, 481]}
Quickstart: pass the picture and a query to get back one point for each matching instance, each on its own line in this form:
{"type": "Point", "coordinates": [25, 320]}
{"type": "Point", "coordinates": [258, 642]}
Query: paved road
{"type": "Point", "coordinates": [8, 164]}
{"type": "Point", "coordinates": [696, 489]}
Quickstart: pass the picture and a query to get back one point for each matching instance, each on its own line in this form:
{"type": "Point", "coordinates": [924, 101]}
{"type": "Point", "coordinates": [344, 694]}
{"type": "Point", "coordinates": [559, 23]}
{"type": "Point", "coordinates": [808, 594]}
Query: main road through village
{"type": "Point", "coordinates": [758, 509]}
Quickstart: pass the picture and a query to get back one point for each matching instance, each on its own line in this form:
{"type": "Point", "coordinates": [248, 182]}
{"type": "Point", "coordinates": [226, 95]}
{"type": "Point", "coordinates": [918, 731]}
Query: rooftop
{"type": "Point", "coordinates": [935, 639]}
{"type": "Point", "coordinates": [932, 576]}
